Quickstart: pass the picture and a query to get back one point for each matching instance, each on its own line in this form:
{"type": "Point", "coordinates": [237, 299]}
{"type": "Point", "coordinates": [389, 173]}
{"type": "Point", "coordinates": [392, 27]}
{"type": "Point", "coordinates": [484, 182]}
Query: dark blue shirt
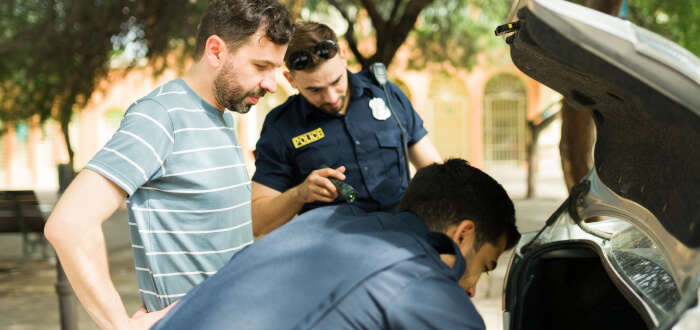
{"type": "Point", "coordinates": [335, 268]}
{"type": "Point", "coordinates": [297, 139]}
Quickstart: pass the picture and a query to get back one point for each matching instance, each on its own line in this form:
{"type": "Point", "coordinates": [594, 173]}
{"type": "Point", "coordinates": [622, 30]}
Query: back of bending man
{"type": "Point", "coordinates": [176, 160]}
{"type": "Point", "coordinates": [341, 268]}
{"type": "Point", "coordinates": [340, 119]}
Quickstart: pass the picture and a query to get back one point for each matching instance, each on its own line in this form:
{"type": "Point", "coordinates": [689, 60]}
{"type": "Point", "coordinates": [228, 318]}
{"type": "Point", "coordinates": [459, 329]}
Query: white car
{"type": "Point", "coordinates": [639, 267]}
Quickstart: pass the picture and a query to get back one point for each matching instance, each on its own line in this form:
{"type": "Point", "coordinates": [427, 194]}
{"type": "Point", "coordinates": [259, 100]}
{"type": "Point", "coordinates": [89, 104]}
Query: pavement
{"type": "Point", "coordinates": [28, 298]}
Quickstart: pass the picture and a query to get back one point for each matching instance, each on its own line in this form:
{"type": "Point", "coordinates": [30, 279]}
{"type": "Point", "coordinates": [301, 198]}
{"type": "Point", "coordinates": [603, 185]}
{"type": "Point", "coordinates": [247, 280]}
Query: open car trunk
{"type": "Point", "coordinates": [643, 93]}
{"type": "Point", "coordinates": [565, 285]}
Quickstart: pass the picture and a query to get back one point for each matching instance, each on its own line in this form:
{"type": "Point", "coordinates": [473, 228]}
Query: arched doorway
{"type": "Point", "coordinates": [447, 117]}
{"type": "Point", "coordinates": [505, 126]}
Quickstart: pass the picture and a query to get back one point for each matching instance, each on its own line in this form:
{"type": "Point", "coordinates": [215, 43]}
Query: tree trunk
{"type": "Point", "coordinates": [576, 145]}
{"type": "Point", "coordinates": [577, 129]}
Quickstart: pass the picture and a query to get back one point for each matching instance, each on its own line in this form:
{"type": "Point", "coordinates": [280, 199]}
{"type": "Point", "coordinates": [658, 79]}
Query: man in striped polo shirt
{"type": "Point", "coordinates": [176, 160]}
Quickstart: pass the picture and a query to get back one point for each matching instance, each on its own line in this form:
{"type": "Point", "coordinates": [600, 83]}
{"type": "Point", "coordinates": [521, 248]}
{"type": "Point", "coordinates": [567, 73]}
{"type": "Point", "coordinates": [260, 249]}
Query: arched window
{"type": "Point", "coordinates": [505, 125]}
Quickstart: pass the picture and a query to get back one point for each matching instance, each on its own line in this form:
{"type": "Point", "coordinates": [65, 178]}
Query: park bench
{"type": "Point", "coordinates": [20, 213]}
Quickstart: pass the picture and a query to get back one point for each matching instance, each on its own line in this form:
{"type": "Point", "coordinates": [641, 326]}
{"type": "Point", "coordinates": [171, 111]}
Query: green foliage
{"type": "Point", "coordinates": [454, 31]}
{"type": "Point", "coordinates": [53, 53]}
{"type": "Point", "coordinates": [677, 20]}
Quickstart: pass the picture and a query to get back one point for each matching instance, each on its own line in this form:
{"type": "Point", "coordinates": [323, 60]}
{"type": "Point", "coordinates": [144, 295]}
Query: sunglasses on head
{"type": "Point", "coordinates": [300, 59]}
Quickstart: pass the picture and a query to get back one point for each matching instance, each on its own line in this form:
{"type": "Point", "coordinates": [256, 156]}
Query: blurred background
{"type": "Point", "coordinates": [70, 68]}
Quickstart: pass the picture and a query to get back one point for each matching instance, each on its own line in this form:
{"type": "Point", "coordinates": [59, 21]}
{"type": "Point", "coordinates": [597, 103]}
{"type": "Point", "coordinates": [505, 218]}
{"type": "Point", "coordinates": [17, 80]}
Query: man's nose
{"type": "Point", "coordinates": [330, 96]}
{"type": "Point", "coordinates": [269, 82]}
{"type": "Point", "coordinates": [471, 292]}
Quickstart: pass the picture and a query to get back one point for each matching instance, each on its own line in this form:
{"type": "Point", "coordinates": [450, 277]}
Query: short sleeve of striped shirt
{"type": "Point", "coordinates": [137, 151]}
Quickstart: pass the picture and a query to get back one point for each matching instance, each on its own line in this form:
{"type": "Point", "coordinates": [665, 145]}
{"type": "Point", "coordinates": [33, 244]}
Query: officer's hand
{"type": "Point", "coordinates": [317, 187]}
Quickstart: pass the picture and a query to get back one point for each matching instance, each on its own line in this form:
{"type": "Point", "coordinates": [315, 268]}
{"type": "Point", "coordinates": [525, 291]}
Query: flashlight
{"type": "Point", "coordinates": [344, 190]}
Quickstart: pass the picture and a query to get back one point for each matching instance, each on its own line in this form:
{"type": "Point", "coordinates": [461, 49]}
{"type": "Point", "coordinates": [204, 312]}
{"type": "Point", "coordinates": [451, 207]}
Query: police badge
{"type": "Point", "coordinates": [379, 109]}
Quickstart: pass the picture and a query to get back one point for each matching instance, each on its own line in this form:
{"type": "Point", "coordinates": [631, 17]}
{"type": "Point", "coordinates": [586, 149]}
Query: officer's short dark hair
{"type": "Point", "coordinates": [443, 195]}
{"type": "Point", "coordinates": [234, 21]}
{"type": "Point", "coordinates": [306, 36]}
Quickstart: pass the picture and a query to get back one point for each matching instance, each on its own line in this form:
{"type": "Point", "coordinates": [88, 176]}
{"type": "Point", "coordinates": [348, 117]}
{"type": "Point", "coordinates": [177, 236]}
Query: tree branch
{"type": "Point", "coordinates": [394, 11]}
{"type": "Point", "coordinates": [377, 20]}
{"type": "Point", "coordinates": [400, 32]}
{"type": "Point", "coordinates": [349, 36]}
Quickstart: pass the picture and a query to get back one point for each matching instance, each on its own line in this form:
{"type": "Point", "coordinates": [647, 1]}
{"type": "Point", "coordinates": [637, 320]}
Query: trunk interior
{"type": "Point", "coordinates": [565, 286]}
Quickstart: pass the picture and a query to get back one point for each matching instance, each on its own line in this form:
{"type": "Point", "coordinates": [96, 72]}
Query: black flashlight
{"type": "Point", "coordinates": [344, 190]}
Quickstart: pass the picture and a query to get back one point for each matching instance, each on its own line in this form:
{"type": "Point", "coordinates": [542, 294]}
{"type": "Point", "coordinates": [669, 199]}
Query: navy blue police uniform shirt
{"type": "Point", "coordinates": [335, 268]}
{"type": "Point", "coordinates": [297, 139]}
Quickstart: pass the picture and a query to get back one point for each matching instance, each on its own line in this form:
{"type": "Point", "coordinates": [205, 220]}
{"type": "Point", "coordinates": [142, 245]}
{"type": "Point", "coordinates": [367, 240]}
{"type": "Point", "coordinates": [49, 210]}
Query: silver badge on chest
{"type": "Point", "coordinates": [379, 109]}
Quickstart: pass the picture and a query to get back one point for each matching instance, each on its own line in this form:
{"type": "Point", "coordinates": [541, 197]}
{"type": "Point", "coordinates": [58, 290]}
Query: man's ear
{"type": "Point", "coordinates": [463, 234]}
{"type": "Point", "coordinates": [215, 51]}
{"type": "Point", "coordinates": [343, 56]}
{"type": "Point", "coordinates": [291, 79]}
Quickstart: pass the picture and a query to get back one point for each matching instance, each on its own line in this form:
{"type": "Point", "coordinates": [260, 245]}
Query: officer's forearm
{"type": "Point", "coordinates": [271, 212]}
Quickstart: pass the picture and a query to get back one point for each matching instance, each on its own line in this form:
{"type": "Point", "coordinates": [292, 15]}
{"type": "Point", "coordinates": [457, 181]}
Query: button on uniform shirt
{"type": "Point", "coordinates": [297, 139]}
{"type": "Point", "coordinates": [335, 268]}
{"type": "Point", "coordinates": [188, 201]}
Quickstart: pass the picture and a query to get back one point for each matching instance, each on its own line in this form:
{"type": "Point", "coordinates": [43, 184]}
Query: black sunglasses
{"type": "Point", "coordinates": [300, 59]}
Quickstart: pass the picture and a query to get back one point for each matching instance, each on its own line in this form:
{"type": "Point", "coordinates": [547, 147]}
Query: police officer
{"type": "Point", "coordinates": [339, 119]}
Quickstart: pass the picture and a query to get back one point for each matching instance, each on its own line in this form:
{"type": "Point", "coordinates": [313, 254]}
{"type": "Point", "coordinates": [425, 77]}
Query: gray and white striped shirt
{"type": "Point", "coordinates": [189, 192]}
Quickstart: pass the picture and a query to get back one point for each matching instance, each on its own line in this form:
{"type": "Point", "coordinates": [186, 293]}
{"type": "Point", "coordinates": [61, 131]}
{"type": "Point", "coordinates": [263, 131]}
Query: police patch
{"type": "Point", "coordinates": [307, 138]}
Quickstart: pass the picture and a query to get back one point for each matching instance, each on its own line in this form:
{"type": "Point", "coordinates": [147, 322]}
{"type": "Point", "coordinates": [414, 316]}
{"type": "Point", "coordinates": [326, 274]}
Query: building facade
{"type": "Point", "coordinates": [480, 115]}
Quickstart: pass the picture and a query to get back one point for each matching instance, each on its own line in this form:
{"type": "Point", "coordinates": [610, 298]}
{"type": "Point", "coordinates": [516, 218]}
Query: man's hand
{"type": "Point", "coordinates": [142, 319]}
{"type": "Point", "coordinates": [317, 187]}
{"type": "Point", "coordinates": [271, 208]}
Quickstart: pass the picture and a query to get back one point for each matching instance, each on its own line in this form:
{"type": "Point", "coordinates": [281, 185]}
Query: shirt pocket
{"type": "Point", "coordinates": [390, 149]}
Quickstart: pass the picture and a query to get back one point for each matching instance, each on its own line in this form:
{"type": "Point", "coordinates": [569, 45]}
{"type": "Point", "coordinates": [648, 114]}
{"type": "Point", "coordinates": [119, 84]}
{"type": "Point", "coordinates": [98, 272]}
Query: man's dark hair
{"type": "Point", "coordinates": [235, 21]}
{"type": "Point", "coordinates": [306, 36]}
{"type": "Point", "coordinates": [443, 195]}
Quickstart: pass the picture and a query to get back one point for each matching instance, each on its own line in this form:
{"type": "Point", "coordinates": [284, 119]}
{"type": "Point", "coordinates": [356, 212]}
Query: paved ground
{"type": "Point", "coordinates": [27, 291]}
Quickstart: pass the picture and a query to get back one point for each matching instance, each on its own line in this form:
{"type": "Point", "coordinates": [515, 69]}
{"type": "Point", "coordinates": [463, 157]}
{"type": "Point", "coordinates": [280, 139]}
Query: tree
{"type": "Point", "coordinates": [676, 20]}
{"type": "Point", "coordinates": [53, 53]}
{"type": "Point", "coordinates": [433, 25]}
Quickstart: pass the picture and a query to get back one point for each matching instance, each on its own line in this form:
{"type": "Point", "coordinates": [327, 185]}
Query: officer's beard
{"type": "Point", "coordinates": [327, 107]}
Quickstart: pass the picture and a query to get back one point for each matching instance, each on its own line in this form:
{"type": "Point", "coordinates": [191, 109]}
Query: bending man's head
{"type": "Point", "coordinates": [470, 207]}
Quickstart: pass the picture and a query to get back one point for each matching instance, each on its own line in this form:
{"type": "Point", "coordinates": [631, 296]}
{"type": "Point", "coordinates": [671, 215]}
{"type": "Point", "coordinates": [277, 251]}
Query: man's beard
{"type": "Point", "coordinates": [325, 107]}
{"type": "Point", "coordinates": [232, 97]}
{"type": "Point", "coordinates": [469, 258]}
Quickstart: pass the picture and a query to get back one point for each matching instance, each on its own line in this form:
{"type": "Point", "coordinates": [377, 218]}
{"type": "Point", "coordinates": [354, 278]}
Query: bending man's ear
{"type": "Point", "coordinates": [463, 234]}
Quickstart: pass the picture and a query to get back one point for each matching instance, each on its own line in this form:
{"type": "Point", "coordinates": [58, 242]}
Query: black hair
{"type": "Point", "coordinates": [443, 195]}
{"type": "Point", "coordinates": [235, 21]}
